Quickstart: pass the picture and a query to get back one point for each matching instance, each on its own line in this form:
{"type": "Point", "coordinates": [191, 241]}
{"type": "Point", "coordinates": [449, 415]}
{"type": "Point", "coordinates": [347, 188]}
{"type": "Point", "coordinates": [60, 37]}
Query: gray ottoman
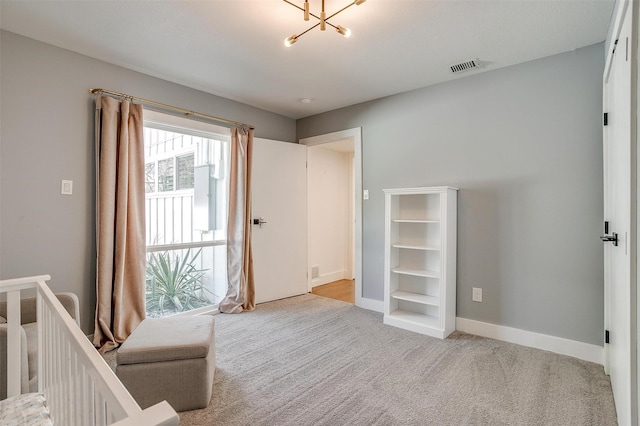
{"type": "Point", "coordinates": [172, 359]}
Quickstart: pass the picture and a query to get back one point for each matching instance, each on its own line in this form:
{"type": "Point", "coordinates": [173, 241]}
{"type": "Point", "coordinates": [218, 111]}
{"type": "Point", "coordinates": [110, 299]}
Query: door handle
{"type": "Point", "coordinates": [613, 238]}
{"type": "Point", "coordinates": [259, 221]}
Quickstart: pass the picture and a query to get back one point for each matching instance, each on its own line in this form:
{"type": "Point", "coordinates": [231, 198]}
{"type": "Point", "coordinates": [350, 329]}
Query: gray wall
{"type": "Point", "coordinates": [46, 135]}
{"type": "Point", "coordinates": [524, 145]}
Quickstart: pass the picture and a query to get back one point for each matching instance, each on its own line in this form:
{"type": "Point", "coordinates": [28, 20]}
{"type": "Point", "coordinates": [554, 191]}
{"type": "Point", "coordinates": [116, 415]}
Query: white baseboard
{"type": "Point", "coordinates": [559, 345]}
{"type": "Point", "coordinates": [370, 304]}
{"type": "Point", "coordinates": [329, 278]}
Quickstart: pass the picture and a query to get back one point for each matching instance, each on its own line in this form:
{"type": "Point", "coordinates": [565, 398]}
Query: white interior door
{"type": "Point", "coordinates": [618, 186]}
{"type": "Point", "coordinates": [279, 180]}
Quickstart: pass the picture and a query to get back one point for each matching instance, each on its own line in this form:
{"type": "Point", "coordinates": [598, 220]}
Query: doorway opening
{"type": "Point", "coordinates": [334, 206]}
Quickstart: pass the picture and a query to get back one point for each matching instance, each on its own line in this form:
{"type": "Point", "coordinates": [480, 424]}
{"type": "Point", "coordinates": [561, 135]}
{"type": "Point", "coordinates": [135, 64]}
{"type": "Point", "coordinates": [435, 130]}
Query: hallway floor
{"type": "Point", "coordinates": [340, 290]}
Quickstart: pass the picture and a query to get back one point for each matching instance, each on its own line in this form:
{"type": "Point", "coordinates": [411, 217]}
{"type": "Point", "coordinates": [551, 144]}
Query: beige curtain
{"type": "Point", "coordinates": [120, 221]}
{"type": "Point", "coordinates": [241, 293]}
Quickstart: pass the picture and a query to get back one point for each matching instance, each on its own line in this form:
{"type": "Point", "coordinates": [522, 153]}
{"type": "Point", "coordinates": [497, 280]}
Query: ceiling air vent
{"type": "Point", "coordinates": [465, 66]}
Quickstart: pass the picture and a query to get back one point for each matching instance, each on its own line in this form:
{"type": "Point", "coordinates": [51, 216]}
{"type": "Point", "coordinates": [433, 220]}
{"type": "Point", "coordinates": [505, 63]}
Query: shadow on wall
{"type": "Point", "coordinates": [497, 250]}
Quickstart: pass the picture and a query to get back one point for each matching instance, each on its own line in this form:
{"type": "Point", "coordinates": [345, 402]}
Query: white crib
{"type": "Point", "coordinates": [78, 385]}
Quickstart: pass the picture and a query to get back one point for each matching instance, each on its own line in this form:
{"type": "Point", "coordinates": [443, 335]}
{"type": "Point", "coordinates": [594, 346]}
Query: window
{"type": "Point", "coordinates": [150, 177]}
{"type": "Point", "coordinates": [185, 203]}
{"type": "Point", "coordinates": [165, 175]}
{"type": "Point", "coordinates": [184, 167]}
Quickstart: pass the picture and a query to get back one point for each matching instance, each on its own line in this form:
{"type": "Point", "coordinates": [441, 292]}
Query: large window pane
{"type": "Point", "coordinates": [165, 175]}
{"type": "Point", "coordinates": [150, 177]}
{"type": "Point", "coordinates": [184, 164]}
{"type": "Point", "coordinates": [185, 219]}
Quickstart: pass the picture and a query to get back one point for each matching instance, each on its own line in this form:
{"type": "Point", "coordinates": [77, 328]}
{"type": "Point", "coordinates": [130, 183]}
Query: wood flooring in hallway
{"type": "Point", "coordinates": [340, 290]}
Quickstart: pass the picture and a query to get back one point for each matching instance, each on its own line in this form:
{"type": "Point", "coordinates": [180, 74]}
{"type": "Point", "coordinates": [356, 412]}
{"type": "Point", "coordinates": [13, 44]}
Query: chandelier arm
{"type": "Point", "coordinates": [294, 5]}
{"type": "Point", "coordinates": [309, 29]}
{"type": "Point", "coordinates": [329, 23]}
{"type": "Point", "coordinates": [302, 9]}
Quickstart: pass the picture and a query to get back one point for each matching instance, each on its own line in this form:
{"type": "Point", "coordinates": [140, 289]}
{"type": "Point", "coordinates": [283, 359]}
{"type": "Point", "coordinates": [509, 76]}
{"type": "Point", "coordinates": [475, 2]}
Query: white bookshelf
{"type": "Point", "coordinates": [420, 259]}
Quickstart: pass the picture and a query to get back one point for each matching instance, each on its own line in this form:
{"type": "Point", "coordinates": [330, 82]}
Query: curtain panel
{"type": "Point", "coordinates": [120, 221]}
{"type": "Point", "coordinates": [241, 289]}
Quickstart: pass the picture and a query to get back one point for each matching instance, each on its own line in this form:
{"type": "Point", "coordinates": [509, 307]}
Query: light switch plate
{"type": "Point", "coordinates": [476, 295]}
{"type": "Point", "coordinates": [66, 188]}
{"type": "Point", "coordinates": [365, 194]}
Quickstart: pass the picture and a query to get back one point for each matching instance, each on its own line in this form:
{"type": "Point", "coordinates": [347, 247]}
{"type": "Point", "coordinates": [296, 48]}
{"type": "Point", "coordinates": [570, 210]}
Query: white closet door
{"type": "Point", "coordinates": [620, 361]}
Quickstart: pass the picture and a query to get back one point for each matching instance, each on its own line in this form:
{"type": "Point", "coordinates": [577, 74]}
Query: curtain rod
{"type": "Point", "coordinates": [170, 107]}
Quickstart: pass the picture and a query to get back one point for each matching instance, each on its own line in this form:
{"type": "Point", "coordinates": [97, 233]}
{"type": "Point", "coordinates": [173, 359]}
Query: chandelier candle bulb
{"type": "Point", "coordinates": [344, 31]}
{"type": "Point", "coordinates": [290, 40]}
{"type": "Point", "coordinates": [306, 10]}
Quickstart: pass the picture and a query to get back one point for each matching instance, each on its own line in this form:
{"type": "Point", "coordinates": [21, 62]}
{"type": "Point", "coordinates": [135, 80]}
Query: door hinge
{"type": "Point", "coordinates": [605, 120]}
{"type": "Point", "coordinates": [606, 336]}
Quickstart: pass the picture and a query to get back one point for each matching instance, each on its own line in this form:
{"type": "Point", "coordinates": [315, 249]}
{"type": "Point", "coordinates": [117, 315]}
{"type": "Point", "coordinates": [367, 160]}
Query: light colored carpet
{"type": "Point", "coordinates": [309, 360]}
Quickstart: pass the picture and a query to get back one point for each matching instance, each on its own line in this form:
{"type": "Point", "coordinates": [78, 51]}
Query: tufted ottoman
{"type": "Point", "coordinates": [172, 359]}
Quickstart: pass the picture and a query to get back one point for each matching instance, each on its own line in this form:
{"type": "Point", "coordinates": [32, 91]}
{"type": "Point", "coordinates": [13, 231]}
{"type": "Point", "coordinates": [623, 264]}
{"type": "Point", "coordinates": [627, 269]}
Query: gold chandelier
{"type": "Point", "coordinates": [323, 20]}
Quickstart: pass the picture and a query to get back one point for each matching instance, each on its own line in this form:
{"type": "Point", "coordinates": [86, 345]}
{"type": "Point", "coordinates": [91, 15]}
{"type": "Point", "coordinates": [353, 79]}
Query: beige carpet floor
{"type": "Point", "coordinates": [309, 360]}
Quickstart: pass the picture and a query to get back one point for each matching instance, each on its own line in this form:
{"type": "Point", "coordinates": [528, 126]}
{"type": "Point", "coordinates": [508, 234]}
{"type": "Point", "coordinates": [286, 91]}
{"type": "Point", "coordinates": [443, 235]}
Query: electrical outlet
{"type": "Point", "coordinates": [66, 187]}
{"type": "Point", "coordinates": [477, 294]}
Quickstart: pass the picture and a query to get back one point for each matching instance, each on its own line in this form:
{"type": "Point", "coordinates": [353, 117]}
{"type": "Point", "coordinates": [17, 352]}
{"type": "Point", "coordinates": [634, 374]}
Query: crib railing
{"type": "Point", "coordinates": [79, 386]}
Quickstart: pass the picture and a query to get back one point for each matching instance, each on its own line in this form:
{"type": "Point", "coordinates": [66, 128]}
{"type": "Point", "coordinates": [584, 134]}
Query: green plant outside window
{"type": "Point", "coordinates": [174, 284]}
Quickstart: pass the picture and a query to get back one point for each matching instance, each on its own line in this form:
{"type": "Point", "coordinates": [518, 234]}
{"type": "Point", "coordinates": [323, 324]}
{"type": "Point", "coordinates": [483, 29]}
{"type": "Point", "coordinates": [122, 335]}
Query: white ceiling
{"type": "Point", "coordinates": [234, 48]}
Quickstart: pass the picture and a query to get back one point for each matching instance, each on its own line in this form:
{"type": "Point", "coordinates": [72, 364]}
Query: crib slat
{"type": "Point", "coordinates": [76, 395]}
{"type": "Point", "coordinates": [83, 397]}
{"type": "Point", "coordinates": [90, 406]}
{"type": "Point", "coordinates": [55, 357]}
{"type": "Point", "coordinates": [13, 341]}
{"type": "Point", "coordinates": [101, 416]}
{"type": "Point", "coordinates": [41, 325]}
{"type": "Point", "coordinates": [66, 382]}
